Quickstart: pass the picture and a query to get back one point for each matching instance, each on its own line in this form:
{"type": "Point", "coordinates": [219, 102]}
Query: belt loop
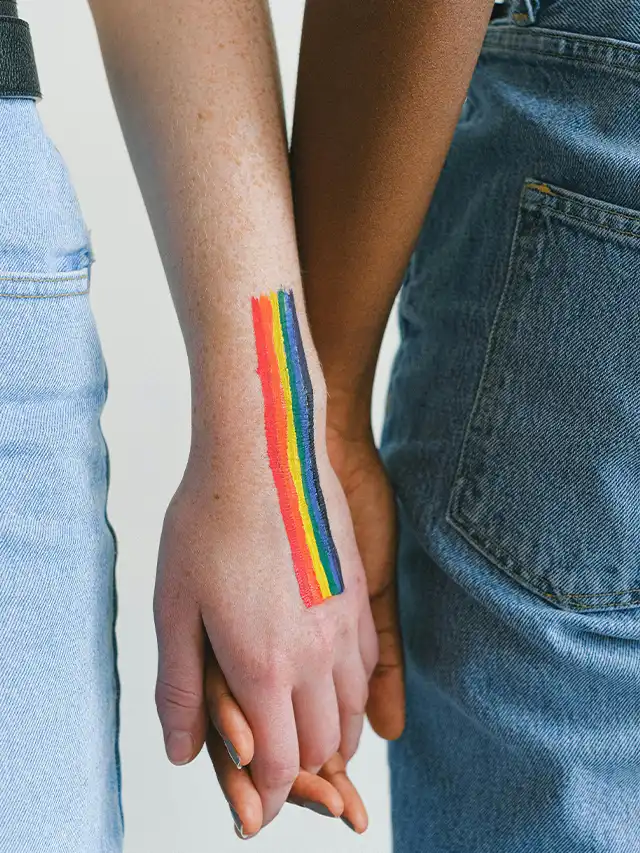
{"type": "Point", "coordinates": [18, 72]}
{"type": "Point", "coordinates": [524, 12]}
{"type": "Point", "coordinates": [9, 8]}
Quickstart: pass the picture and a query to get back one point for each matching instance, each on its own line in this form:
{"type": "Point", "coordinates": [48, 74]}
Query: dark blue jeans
{"type": "Point", "coordinates": [513, 440]}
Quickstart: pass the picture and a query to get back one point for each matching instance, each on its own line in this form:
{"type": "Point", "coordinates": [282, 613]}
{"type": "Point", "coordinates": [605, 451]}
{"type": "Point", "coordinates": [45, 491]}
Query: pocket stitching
{"type": "Point", "coordinates": [452, 510]}
{"type": "Point", "coordinates": [583, 201]}
{"type": "Point", "coordinates": [514, 568]}
{"type": "Point", "coordinates": [81, 276]}
{"type": "Point", "coordinates": [581, 60]}
{"type": "Point", "coordinates": [454, 515]}
{"type": "Point", "coordinates": [562, 215]}
{"type": "Point", "coordinates": [44, 295]}
{"type": "Point", "coordinates": [575, 199]}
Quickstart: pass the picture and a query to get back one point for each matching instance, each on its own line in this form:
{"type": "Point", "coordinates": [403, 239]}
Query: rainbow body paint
{"type": "Point", "coordinates": [289, 427]}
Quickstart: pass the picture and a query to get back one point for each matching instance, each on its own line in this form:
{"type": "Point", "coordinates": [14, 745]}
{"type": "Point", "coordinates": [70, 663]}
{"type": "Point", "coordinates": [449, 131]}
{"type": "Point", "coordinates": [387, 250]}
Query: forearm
{"type": "Point", "coordinates": [197, 90]}
{"type": "Point", "coordinates": [380, 89]}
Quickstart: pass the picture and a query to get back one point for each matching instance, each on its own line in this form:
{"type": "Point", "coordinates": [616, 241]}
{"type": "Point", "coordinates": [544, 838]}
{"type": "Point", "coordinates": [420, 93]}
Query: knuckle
{"type": "Point", "coordinates": [349, 749]}
{"type": "Point", "coordinates": [334, 747]}
{"type": "Point", "coordinates": [321, 644]}
{"type": "Point", "coordinates": [352, 706]}
{"type": "Point", "coordinates": [170, 696]}
{"type": "Point", "coordinates": [316, 753]}
{"type": "Point", "coordinates": [370, 651]}
{"type": "Point", "coordinates": [370, 663]}
{"type": "Point", "coordinates": [353, 701]}
{"type": "Point", "coordinates": [269, 674]}
{"type": "Point", "coordinates": [279, 773]}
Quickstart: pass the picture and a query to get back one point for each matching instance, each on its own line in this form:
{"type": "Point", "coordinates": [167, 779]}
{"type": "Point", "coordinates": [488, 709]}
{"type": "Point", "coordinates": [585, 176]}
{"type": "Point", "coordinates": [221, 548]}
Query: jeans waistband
{"type": "Point", "coordinates": [18, 72]}
{"type": "Point", "coordinates": [605, 18]}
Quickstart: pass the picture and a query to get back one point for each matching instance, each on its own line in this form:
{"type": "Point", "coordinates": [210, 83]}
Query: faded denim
{"type": "Point", "coordinates": [59, 767]}
{"type": "Point", "coordinates": [513, 440]}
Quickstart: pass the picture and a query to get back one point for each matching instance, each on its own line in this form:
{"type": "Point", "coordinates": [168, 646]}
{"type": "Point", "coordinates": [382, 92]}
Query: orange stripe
{"type": "Point", "coordinates": [272, 448]}
{"type": "Point", "coordinates": [300, 551]}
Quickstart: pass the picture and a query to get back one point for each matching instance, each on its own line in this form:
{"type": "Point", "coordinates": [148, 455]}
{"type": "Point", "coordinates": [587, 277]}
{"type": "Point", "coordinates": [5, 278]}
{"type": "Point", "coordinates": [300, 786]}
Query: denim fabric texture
{"type": "Point", "coordinates": [59, 767]}
{"type": "Point", "coordinates": [512, 438]}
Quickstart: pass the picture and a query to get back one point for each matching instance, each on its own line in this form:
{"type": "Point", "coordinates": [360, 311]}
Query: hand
{"type": "Point", "coordinates": [230, 744]}
{"type": "Point", "coordinates": [225, 577]}
{"type": "Point", "coordinates": [357, 463]}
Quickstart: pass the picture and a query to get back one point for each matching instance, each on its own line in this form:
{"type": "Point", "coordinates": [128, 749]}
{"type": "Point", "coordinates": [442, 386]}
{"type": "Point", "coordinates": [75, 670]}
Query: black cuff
{"type": "Point", "coordinates": [18, 72]}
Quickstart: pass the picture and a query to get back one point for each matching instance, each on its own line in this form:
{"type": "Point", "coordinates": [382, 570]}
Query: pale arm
{"type": "Point", "coordinates": [196, 87]}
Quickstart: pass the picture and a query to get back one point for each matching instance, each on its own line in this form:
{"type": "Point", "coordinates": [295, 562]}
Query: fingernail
{"type": "Point", "coordinates": [238, 824]}
{"type": "Point", "coordinates": [232, 753]}
{"type": "Point", "coordinates": [348, 823]}
{"type": "Point", "coordinates": [180, 747]}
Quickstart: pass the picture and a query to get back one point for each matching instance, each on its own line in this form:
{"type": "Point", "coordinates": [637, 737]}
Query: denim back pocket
{"type": "Point", "coordinates": [548, 482]}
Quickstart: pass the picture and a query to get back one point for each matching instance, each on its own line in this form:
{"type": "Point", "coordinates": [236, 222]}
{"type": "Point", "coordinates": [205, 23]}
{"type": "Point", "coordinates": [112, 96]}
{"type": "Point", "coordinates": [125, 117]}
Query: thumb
{"type": "Point", "coordinates": [386, 705]}
{"type": "Point", "coordinates": [180, 696]}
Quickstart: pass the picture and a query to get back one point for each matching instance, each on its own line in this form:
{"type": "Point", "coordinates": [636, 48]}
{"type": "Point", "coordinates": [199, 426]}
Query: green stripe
{"type": "Point", "coordinates": [297, 402]}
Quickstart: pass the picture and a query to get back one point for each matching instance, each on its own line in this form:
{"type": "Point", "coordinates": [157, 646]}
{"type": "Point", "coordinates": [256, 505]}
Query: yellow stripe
{"type": "Point", "coordinates": [292, 449]}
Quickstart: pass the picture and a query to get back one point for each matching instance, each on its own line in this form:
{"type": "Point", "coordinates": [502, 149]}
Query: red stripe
{"type": "Point", "coordinates": [300, 550]}
{"type": "Point", "coordinates": [271, 392]}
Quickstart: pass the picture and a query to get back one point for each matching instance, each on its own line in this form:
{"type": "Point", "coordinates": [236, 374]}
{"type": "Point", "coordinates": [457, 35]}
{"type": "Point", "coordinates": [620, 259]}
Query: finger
{"type": "Point", "coordinates": [180, 683]}
{"type": "Point", "coordinates": [354, 814]}
{"type": "Point", "coordinates": [237, 786]}
{"type": "Point", "coordinates": [226, 715]}
{"type": "Point", "coordinates": [351, 726]}
{"type": "Point", "coordinates": [312, 792]}
{"type": "Point", "coordinates": [386, 706]}
{"type": "Point", "coordinates": [368, 639]}
{"type": "Point", "coordinates": [315, 705]}
{"type": "Point", "coordinates": [352, 691]}
{"type": "Point", "coordinates": [276, 760]}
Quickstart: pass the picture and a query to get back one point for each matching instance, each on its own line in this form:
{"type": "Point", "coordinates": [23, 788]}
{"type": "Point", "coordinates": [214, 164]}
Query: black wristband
{"type": "Point", "coordinates": [18, 72]}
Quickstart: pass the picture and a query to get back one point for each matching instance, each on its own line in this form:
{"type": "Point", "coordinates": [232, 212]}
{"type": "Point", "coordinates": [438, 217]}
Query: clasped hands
{"type": "Point", "coordinates": [285, 689]}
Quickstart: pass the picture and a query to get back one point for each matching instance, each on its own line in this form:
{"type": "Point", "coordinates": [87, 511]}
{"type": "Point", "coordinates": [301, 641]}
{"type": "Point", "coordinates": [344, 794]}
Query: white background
{"type": "Point", "coordinates": [167, 810]}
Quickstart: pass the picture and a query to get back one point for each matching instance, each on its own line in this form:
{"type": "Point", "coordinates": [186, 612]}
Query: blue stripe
{"type": "Point", "coordinates": [303, 383]}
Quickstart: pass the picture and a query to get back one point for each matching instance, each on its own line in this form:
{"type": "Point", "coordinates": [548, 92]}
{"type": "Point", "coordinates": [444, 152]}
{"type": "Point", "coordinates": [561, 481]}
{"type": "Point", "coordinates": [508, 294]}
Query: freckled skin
{"type": "Point", "coordinates": [196, 87]}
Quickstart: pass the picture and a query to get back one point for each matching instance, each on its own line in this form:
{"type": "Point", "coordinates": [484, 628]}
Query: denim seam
{"type": "Point", "coordinates": [562, 215]}
{"type": "Point", "coordinates": [511, 566]}
{"type": "Point", "coordinates": [539, 33]}
{"type": "Point", "coordinates": [44, 295]}
{"type": "Point", "coordinates": [38, 278]}
{"type": "Point", "coordinates": [566, 197]}
{"type": "Point", "coordinates": [116, 674]}
{"type": "Point", "coordinates": [579, 59]}
{"type": "Point", "coordinates": [459, 478]}
{"type": "Point", "coordinates": [82, 277]}
{"type": "Point", "coordinates": [514, 568]}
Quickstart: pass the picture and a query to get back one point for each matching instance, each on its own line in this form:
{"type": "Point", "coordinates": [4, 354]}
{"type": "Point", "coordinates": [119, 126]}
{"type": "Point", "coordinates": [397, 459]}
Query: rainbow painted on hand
{"type": "Point", "coordinates": [288, 416]}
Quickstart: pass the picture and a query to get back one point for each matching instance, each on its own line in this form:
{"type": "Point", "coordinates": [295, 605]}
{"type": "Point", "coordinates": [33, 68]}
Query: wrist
{"type": "Point", "coordinates": [268, 368]}
{"type": "Point", "coordinates": [349, 412]}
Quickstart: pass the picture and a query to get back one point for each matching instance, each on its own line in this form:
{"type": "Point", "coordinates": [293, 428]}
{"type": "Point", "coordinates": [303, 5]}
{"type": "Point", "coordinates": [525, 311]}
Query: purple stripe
{"type": "Point", "coordinates": [303, 382]}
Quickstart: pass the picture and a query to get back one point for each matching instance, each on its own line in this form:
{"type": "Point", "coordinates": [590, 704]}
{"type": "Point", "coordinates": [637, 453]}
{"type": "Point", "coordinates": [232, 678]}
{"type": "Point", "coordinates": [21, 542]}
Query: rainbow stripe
{"type": "Point", "coordinates": [289, 427]}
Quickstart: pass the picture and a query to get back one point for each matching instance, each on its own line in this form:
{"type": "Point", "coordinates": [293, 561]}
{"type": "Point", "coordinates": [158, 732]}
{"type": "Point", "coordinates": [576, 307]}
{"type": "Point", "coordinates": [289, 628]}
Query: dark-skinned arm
{"type": "Point", "coordinates": [381, 85]}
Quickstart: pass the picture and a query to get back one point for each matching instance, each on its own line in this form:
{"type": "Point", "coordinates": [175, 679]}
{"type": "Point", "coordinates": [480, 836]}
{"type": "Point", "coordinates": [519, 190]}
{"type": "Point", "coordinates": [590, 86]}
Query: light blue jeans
{"type": "Point", "coordinates": [59, 767]}
{"type": "Point", "coordinates": [513, 440]}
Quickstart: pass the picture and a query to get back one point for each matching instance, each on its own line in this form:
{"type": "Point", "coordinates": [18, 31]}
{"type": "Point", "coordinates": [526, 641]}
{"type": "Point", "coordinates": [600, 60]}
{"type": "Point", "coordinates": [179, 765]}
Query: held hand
{"type": "Point", "coordinates": [225, 577]}
{"type": "Point", "coordinates": [230, 744]}
{"type": "Point", "coordinates": [357, 463]}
